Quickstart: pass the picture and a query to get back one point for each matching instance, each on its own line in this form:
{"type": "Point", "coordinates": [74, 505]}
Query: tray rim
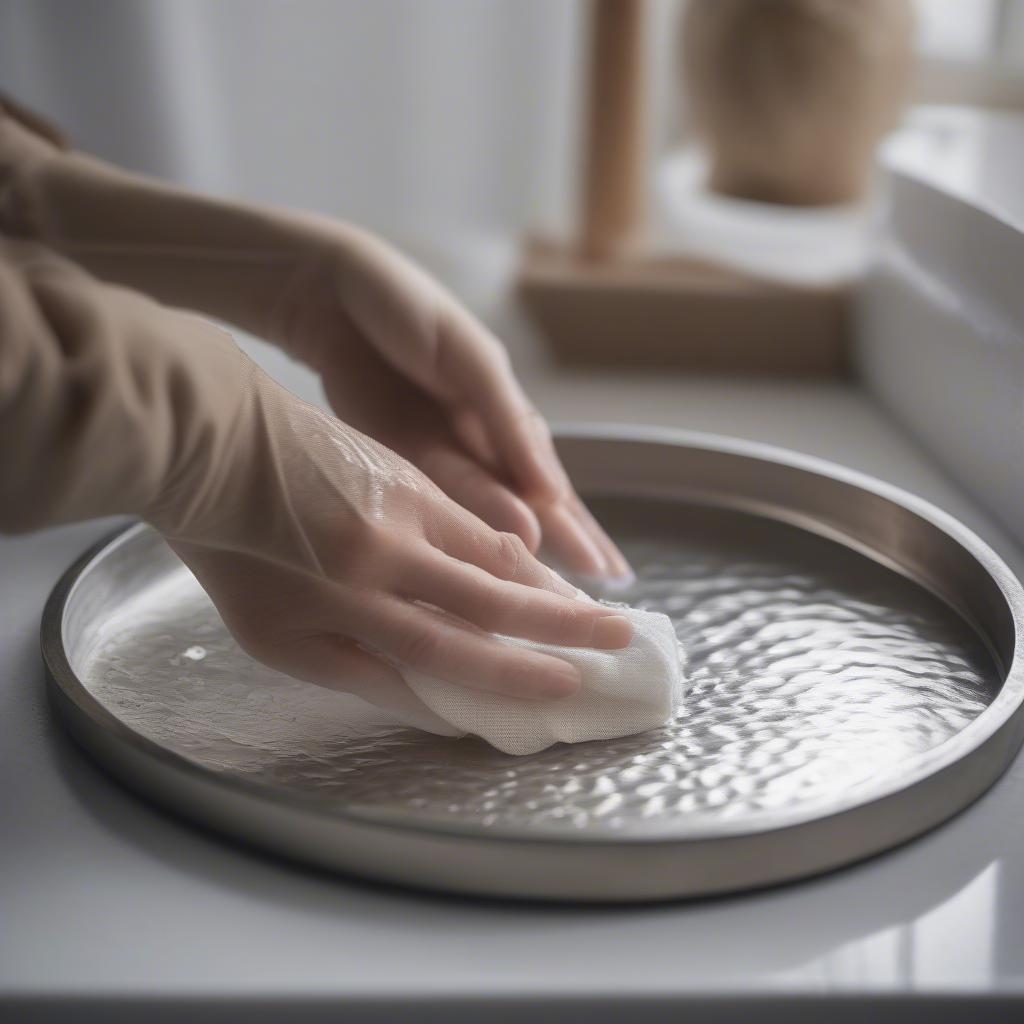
{"type": "Point", "coordinates": [1003, 713]}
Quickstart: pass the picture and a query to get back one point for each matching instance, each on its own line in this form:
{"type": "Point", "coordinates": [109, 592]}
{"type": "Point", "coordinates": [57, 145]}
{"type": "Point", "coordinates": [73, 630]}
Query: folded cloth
{"type": "Point", "coordinates": [623, 692]}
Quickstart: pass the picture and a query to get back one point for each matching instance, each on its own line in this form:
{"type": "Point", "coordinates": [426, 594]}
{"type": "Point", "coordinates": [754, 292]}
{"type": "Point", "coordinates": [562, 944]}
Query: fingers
{"type": "Point", "coordinates": [571, 533]}
{"type": "Point", "coordinates": [619, 569]}
{"type": "Point", "coordinates": [510, 608]}
{"type": "Point", "coordinates": [504, 555]}
{"type": "Point", "coordinates": [577, 541]}
{"type": "Point", "coordinates": [475, 365]}
{"type": "Point", "coordinates": [570, 544]}
{"type": "Point", "coordinates": [467, 482]}
{"type": "Point", "coordinates": [460, 364]}
{"type": "Point", "coordinates": [463, 536]}
{"type": "Point", "coordinates": [314, 630]}
{"type": "Point", "coordinates": [338, 663]}
{"type": "Point", "coordinates": [424, 640]}
{"type": "Point", "coordinates": [521, 442]}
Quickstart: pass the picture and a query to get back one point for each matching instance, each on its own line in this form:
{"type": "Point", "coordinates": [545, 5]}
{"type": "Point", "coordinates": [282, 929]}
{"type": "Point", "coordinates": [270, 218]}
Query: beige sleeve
{"type": "Point", "coordinates": [109, 403]}
{"type": "Point", "coordinates": [233, 261]}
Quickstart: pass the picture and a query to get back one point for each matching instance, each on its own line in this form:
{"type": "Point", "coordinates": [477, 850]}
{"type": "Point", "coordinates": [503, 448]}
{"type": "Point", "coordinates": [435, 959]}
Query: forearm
{"type": "Point", "coordinates": [108, 402]}
{"type": "Point", "coordinates": [232, 261]}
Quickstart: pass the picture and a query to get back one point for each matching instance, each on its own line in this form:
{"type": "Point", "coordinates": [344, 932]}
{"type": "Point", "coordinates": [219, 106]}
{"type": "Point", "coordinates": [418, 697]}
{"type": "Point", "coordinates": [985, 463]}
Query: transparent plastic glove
{"type": "Point", "coordinates": [322, 549]}
{"type": "Point", "coordinates": [403, 361]}
{"type": "Point", "coordinates": [400, 358]}
{"type": "Point", "coordinates": [329, 557]}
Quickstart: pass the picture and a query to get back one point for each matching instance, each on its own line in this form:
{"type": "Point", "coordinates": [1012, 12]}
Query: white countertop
{"type": "Point", "coordinates": [106, 903]}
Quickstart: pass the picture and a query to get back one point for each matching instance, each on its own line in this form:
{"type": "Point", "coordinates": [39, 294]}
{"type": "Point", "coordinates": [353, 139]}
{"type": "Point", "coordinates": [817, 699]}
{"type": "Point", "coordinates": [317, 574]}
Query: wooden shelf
{"type": "Point", "coordinates": [682, 314]}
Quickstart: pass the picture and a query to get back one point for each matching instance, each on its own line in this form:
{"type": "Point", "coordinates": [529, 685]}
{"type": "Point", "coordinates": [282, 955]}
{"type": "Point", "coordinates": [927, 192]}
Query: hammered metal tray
{"type": "Point", "coordinates": [854, 678]}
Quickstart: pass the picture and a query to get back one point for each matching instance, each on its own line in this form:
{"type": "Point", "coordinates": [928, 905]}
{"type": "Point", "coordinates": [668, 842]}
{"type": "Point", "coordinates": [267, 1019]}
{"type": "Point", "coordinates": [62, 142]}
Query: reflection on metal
{"type": "Point", "coordinates": [836, 703]}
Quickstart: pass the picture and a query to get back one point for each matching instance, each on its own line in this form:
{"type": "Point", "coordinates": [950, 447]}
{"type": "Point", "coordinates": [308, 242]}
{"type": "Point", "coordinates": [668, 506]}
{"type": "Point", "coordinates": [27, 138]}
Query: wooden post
{"type": "Point", "coordinates": [605, 299]}
{"type": "Point", "coordinates": [614, 159]}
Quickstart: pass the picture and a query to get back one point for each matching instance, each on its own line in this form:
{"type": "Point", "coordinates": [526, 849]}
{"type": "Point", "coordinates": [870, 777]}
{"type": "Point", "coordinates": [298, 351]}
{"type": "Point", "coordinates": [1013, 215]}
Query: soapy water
{"type": "Point", "coordinates": [812, 672]}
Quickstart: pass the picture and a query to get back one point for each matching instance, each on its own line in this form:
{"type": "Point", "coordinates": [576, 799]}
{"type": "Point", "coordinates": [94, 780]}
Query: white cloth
{"type": "Point", "coordinates": [623, 692]}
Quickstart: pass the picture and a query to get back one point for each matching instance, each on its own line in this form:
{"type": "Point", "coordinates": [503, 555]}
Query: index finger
{"type": "Point", "coordinates": [476, 372]}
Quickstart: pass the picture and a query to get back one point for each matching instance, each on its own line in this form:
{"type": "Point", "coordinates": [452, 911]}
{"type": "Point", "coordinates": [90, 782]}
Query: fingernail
{"type": "Point", "coordinates": [621, 580]}
{"type": "Point", "coordinates": [621, 569]}
{"type": "Point", "coordinates": [612, 632]}
{"type": "Point", "coordinates": [614, 578]}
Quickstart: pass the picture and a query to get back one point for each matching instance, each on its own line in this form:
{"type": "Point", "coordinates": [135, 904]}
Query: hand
{"type": "Point", "coordinates": [331, 558]}
{"type": "Point", "coordinates": [339, 298]}
{"type": "Point", "coordinates": [401, 360]}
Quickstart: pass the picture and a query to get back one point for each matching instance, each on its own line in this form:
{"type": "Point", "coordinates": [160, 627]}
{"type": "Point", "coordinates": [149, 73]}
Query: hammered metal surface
{"type": "Point", "coordinates": [812, 671]}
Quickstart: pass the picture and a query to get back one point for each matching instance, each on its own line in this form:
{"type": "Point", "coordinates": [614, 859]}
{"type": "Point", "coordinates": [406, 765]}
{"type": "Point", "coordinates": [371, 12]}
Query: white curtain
{"type": "Point", "coordinates": [406, 115]}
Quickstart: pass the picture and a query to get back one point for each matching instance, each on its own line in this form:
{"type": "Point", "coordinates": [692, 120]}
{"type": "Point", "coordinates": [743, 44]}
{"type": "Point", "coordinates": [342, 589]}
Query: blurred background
{"type": "Point", "coordinates": [462, 131]}
{"type": "Point", "coordinates": [404, 115]}
{"type": "Point", "coordinates": [432, 119]}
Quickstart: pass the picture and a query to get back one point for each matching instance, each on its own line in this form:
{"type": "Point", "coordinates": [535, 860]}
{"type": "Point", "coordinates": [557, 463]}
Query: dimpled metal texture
{"type": "Point", "coordinates": [811, 671]}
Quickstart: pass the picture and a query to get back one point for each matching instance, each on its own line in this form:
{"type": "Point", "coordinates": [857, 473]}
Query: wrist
{"type": "Point", "coordinates": [215, 413]}
{"type": "Point", "coordinates": [261, 493]}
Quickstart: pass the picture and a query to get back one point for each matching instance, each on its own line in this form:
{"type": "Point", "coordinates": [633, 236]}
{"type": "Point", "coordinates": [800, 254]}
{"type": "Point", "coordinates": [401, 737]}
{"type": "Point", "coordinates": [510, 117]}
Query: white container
{"type": "Point", "coordinates": [940, 319]}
